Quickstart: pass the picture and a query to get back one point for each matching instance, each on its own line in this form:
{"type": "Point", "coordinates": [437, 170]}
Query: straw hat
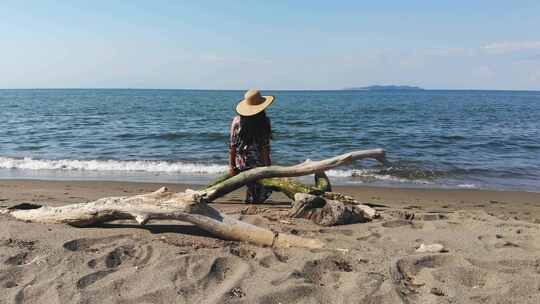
{"type": "Point", "coordinates": [253, 103]}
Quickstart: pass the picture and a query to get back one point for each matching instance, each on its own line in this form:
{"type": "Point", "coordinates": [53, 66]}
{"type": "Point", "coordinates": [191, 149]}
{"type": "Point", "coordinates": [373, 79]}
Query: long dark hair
{"type": "Point", "coordinates": [255, 128]}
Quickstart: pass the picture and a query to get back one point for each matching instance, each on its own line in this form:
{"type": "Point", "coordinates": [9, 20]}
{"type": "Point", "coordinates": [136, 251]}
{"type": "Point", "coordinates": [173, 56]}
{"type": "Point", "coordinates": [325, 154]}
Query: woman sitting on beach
{"type": "Point", "coordinates": [250, 141]}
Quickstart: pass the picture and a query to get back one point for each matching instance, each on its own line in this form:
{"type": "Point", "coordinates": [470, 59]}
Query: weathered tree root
{"type": "Point", "coordinates": [328, 212]}
{"type": "Point", "coordinates": [191, 206]}
{"type": "Point", "coordinates": [317, 202]}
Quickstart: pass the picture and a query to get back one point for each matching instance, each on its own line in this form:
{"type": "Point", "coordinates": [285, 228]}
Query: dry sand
{"type": "Point", "coordinates": [492, 240]}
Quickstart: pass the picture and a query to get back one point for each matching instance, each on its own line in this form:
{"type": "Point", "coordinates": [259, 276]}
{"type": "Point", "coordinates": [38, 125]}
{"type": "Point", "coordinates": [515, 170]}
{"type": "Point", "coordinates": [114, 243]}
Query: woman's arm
{"type": "Point", "coordinates": [232, 150]}
{"type": "Point", "coordinates": [232, 161]}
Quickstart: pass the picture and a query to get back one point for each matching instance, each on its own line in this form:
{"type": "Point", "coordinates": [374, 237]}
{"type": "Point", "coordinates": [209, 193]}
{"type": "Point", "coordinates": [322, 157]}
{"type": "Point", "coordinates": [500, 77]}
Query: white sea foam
{"type": "Point", "coordinates": [162, 167]}
{"type": "Point", "coordinates": [110, 165]}
{"type": "Point", "coordinates": [371, 174]}
{"type": "Point", "coordinates": [467, 186]}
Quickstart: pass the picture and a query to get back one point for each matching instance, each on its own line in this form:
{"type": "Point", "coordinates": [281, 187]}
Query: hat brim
{"type": "Point", "coordinates": [245, 109]}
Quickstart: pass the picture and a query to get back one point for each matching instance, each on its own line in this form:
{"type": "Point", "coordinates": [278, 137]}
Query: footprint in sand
{"type": "Point", "coordinates": [24, 251]}
{"type": "Point", "coordinates": [416, 277]}
{"type": "Point", "coordinates": [501, 242]}
{"type": "Point", "coordinates": [91, 244]}
{"type": "Point", "coordinates": [109, 254]}
{"type": "Point", "coordinates": [447, 278]}
{"type": "Point", "coordinates": [119, 255]}
{"type": "Point", "coordinates": [333, 279]}
{"type": "Point", "coordinates": [90, 279]}
{"type": "Point", "coordinates": [208, 279]}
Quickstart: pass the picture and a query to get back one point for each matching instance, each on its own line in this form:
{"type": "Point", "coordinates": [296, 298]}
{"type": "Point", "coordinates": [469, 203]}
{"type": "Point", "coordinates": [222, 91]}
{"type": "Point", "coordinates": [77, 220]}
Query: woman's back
{"type": "Point", "coordinates": [250, 135]}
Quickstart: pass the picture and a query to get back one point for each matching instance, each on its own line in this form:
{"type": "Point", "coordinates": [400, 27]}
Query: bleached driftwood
{"type": "Point", "coordinates": [305, 168]}
{"type": "Point", "coordinates": [318, 203]}
{"type": "Point", "coordinates": [191, 206]}
{"type": "Point", "coordinates": [161, 205]}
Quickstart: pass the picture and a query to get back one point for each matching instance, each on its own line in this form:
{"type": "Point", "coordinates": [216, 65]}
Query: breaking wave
{"type": "Point", "coordinates": [179, 167]}
{"type": "Point", "coordinates": [110, 165]}
{"type": "Point", "coordinates": [369, 175]}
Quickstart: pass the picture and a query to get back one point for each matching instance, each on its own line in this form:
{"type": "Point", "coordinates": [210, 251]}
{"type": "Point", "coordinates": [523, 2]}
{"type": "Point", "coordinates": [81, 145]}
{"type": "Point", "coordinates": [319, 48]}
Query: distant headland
{"type": "Point", "coordinates": [386, 88]}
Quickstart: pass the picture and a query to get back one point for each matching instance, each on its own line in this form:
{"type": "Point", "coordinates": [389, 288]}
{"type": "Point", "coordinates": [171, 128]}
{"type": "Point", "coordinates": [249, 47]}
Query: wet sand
{"type": "Point", "coordinates": [492, 239]}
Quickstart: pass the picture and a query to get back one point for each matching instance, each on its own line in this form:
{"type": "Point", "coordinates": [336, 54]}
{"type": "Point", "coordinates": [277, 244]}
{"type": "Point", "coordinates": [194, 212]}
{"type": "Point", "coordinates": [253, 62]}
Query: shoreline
{"type": "Point", "coordinates": [195, 183]}
{"type": "Point", "coordinates": [201, 180]}
{"type": "Point", "coordinates": [176, 171]}
{"type": "Point", "coordinates": [521, 204]}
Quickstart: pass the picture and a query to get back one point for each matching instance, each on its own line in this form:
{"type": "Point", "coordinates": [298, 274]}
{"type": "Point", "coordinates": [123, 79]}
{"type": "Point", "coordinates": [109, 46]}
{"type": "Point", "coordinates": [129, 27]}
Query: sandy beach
{"type": "Point", "coordinates": [491, 255]}
{"type": "Point", "coordinates": [412, 128]}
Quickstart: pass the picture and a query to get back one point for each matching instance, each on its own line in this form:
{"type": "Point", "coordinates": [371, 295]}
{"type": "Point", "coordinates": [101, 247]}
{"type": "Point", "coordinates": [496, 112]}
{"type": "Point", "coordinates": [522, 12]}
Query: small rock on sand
{"type": "Point", "coordinates": [431, 248]}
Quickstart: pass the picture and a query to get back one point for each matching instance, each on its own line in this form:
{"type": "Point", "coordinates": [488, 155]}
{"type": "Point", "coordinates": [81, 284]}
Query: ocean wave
{"type": "Point", "coordinates": [467, 186]}
{"type": "Point", "coordinates": [364, 175]}
{"type": "Point", "coordinates": [367, 175]}
{"type": "Point", "coordinates": [110, 165]}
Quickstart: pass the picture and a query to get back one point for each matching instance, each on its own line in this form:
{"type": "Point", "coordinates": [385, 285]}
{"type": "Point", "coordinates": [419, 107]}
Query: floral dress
{"type": "Point", "coordinates": [248, 156]}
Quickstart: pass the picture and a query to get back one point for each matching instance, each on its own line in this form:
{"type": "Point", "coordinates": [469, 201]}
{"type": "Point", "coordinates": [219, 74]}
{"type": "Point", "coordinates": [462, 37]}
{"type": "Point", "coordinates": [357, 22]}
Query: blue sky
{"type": "Point", "coordinates": [270, 44]}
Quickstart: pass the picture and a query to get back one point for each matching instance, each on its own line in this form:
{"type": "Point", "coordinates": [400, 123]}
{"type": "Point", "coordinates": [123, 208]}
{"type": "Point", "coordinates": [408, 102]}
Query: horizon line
{"type": "Point", "coordinates": [241, 90]}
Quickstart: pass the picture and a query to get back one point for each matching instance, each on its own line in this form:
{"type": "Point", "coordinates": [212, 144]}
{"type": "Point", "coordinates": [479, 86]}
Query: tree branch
{"type": "Point", "coordinates": [305, 168]}
{"type": "Point", "coordinates": [191, 206]}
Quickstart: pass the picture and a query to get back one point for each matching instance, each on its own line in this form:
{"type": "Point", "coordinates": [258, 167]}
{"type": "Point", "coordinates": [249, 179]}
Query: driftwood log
{"type": "Point", "coordinates": [317, 203]}
{"type": "Point", "coordinates": [289, 187]}
{"type": "Point", "coordinates": [192, 206]}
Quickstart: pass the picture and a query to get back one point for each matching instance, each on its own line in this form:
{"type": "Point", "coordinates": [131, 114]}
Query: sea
{"type": "Point", "coordinates": [433, 138]}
